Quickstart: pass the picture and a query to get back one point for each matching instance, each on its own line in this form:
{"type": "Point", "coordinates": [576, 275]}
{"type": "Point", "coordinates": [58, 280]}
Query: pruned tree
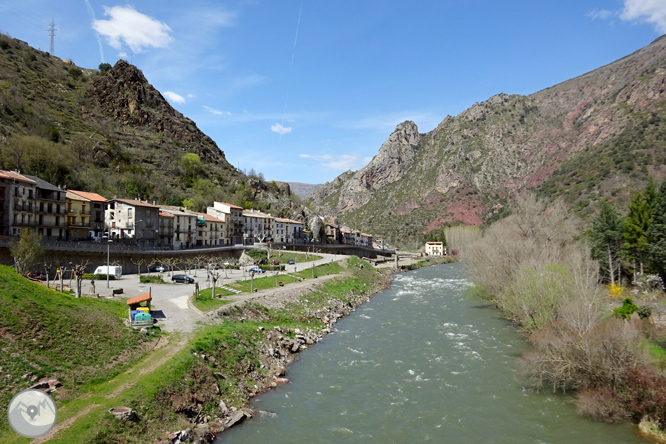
{"type": "Point", "coordinates": [139, 262]}
{"type": "Point", "coordinates": [214, 276]}
{"type": "Point", "coordinates": [79, 270]}
{"type": "Point", "coordinates": [26, 251]}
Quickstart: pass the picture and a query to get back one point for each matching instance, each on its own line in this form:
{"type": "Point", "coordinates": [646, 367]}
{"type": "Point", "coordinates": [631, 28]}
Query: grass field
{"type": "Point", "coordinates": [44, 333]}
{"type": "Point", "coordinates": [206, 302]}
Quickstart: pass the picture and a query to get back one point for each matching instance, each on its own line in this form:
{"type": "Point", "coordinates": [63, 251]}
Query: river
{"type": "Point", "coordinates": [421, 362]}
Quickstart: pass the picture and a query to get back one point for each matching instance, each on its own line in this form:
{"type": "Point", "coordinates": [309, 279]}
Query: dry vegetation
{"type": "Point", "coordinates": [536, 268]}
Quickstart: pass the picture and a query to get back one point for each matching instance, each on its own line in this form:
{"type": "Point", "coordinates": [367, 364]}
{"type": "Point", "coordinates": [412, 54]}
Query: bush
{"type": "Point", "coordinates": [151, 279]}
{"type": "Point", "coordinates": [98, 277]}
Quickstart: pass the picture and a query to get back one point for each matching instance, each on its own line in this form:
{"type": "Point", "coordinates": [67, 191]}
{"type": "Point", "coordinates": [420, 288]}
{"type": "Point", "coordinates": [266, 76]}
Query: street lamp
{"type": "Point", "coordinates": [108, 247]}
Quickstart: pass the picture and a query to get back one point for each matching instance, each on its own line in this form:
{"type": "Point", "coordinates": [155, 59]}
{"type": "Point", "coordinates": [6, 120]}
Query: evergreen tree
{"type": "Point", "coordinates": [657, 234]}
{"type": "Point", "coordinates": [635, 231]}
{"type": "Point", "coordinates": [606, 239]}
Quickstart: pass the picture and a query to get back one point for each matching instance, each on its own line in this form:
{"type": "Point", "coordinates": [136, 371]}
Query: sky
{"type": "Point", "coordinates": [303, 90]}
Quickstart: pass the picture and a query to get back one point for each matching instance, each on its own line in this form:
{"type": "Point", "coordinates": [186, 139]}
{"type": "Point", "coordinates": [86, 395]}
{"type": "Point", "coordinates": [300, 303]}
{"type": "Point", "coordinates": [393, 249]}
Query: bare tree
{"type": "Point", "coordinates": [139, 262]}
{"type": "Point", "coordinates": [79, 269]}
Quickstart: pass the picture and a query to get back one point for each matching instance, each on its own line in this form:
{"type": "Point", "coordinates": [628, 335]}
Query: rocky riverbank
{"type": "Point", "coordinates": [246, 353]}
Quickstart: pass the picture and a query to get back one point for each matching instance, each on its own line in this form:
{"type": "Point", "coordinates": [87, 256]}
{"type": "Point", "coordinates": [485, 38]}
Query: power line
{"type": "Point", "coordinates": [52, 29]}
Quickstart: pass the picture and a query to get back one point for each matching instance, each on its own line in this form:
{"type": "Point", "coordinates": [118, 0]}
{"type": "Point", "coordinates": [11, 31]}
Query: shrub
{"type": "Point", "coordinates": [98, 277]}
{"type": "Point", "coordinates": [628, 308]}
{"type": "Point", "coordinates": [600, 404]}
{"type": "Point", "coordinates": [151, 279]}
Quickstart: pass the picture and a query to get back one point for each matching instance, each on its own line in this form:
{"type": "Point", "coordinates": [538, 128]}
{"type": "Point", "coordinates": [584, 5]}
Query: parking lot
{"type": "Point", "coordinates": [170, 300]}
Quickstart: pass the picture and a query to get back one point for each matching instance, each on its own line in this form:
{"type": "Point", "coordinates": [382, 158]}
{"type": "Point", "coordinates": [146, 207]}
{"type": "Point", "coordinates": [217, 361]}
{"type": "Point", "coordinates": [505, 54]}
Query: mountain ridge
{"type": "Point", "coordinates": [470, 166]}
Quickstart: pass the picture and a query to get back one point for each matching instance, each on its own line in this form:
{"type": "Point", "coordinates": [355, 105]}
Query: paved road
{"type": "Point", "coordinates": [170, 301]}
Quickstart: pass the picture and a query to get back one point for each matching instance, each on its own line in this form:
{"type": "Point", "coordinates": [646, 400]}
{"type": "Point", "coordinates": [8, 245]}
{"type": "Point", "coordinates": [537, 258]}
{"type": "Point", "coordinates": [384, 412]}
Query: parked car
{"type": "Point", "coordinates": [182, 278]}
{"type": "Point", "coordinates": [276, 262]}
{"type": "Point", "coordinates": [158, 268]}
{"type": "Point", "coordinates": [257, 270]}
{"type": "Point", "coordinates": [263, 262]}
{"type": "Point", "coordinates": [291, 262]}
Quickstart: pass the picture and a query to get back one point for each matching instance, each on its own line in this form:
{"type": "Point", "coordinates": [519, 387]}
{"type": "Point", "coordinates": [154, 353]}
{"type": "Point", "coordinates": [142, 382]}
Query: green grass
{"type": "Point", "coordinates": [205, 301]}
{"type": "Point", "coordinates": [50, 334]}
{"type": "Point", "coordinates": [266, 282]}
{"type": "Point", "coordinates": [234, 363]}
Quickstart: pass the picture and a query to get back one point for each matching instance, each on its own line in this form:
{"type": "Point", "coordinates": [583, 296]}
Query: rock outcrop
{"type": "Point", "coordinates": [395, 157]}
{"type": "Point", "coordinates": [125, 95]}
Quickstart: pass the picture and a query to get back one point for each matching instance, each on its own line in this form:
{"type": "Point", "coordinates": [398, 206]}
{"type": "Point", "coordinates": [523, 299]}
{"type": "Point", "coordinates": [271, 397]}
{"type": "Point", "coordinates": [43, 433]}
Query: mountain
{"type": "Point", "coordinates": [303, 190]}
{"type": "Point", "coordinates": [596, 136]}
{"type": "Point", "coordinates": [113, 133]}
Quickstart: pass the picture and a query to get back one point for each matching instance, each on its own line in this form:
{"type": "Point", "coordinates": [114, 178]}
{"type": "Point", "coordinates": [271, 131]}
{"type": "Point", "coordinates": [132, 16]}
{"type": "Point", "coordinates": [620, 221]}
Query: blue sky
{"type": "Point", "coordinates": [302, 90]}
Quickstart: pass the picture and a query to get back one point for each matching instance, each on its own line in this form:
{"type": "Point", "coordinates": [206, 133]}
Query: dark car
{"type": "Point", "coordinates": [182, 278]}
{"type": "Point", "coordinates": [291, 262]}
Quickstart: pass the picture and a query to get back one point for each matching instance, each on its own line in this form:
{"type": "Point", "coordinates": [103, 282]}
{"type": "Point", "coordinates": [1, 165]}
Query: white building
{"type": "Point", "coordinates": [211, 231]}
{"type": "Point", "coordinates": [233, 219]}
{"type": "Point", "coordinates": [257, 226]}
{"type": "Point", "coordinates": [435, 249]}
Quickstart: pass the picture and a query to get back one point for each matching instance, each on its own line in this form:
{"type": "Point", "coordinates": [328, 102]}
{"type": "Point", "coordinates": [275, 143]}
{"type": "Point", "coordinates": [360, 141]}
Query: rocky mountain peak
{"type": "Point", "coordinates": [124, 95]}
{"type": "Point", "coordinates": [406, 133]}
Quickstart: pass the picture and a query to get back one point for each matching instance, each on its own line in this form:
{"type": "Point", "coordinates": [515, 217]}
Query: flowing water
{"type": "Point", "coordinates": [421, 362]}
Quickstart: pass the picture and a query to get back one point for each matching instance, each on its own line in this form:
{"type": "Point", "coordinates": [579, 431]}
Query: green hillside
{"type": "Point", "coordinates": [111, 132]}
{"type": "Point", "coordinates": [44, 333]}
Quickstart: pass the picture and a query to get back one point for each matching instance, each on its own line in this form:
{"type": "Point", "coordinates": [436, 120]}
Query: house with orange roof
{"type": "Point", "coordinates": [84, 203]}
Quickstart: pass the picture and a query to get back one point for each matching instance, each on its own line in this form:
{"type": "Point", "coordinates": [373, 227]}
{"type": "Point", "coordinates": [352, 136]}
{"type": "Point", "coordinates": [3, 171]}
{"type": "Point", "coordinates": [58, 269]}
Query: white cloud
{"type": "Point", "coordinates": [136, 30]}
{"type": "Point", "coordinates": [601, 14]}
{"type": "Point", "coordinates": [173, 97]}
{"type": "Point", "coordinates": [216, 112]}
{"type": "Point", "coordinates": [340, 162]}
{"type": "Point", "coordinates": [277, 128]}
{"type": "Point", "coordinates": [650, 11]}
{"type": "Point", "coordinates": [191, 96]}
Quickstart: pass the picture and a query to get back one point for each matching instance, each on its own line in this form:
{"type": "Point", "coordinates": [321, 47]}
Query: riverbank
{"type": "Point", "coordinates": [205, 388]}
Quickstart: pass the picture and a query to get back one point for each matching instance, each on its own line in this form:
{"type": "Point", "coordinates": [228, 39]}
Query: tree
{"type": "Point", "coordinates": [104, 67]}
{"type": "Point", "coordinates": [191, 163]}
{"type": "Point", "coordinates": [79, 269]}
{"type": "Point", "coordinates": [26, 251]}
{"type": "Point", "coordinates": [606, 239]}
{"type": "Point", "coordinates": [657, 234]}
{"type": "Point", "coordinates": [635, 230]}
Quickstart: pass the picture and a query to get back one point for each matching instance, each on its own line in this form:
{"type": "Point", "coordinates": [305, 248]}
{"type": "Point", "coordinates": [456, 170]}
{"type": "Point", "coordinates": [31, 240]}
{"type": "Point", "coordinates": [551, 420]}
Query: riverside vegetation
{"type": "Point", "coordinates": [206, 384]}
{"type": "Point", "coordinates": [537, 268]}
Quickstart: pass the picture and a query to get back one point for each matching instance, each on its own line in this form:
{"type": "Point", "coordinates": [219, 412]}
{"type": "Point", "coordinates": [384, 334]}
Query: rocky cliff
{"type": "Point", "coordinates": [596, 136]}
{"type": "Point", "coordinates": [125, 95]}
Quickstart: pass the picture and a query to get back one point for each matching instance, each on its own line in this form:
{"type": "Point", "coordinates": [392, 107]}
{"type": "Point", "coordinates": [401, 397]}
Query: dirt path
{"type": "Point", "coordinates": [161, 353]}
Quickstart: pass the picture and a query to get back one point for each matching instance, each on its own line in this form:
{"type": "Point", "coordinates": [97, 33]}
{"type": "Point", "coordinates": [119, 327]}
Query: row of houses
{"type": "Point", "coordinates": [71, 215]}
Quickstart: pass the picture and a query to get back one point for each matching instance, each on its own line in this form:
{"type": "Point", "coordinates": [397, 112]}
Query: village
{"type": "Point", "coordinates": [61, 215]}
